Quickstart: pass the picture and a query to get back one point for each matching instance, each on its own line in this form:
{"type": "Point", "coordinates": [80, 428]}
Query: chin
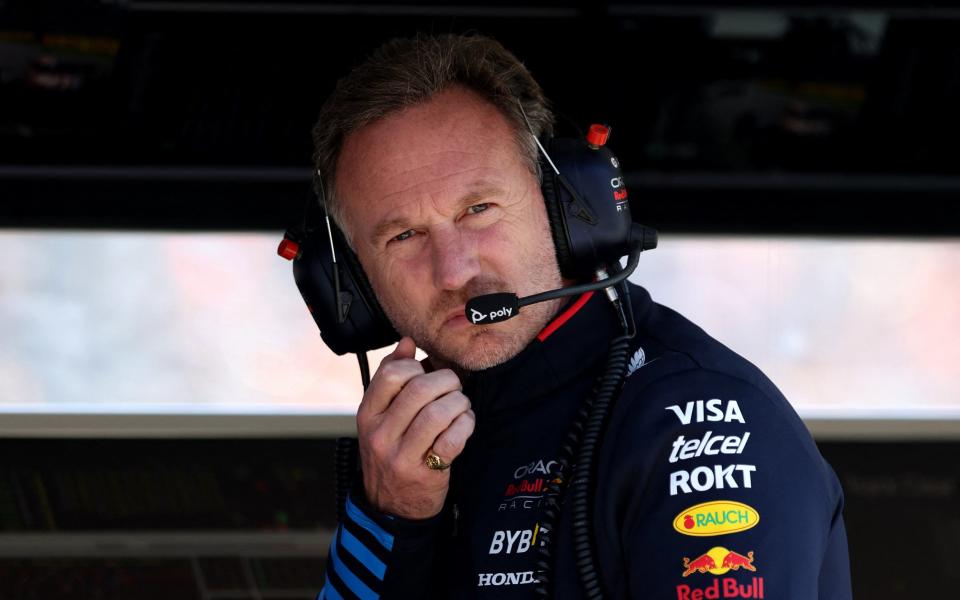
{"type": "Point", "coordinates": [487, 349]}
{"type": "Point", "coordinates": [487, 346]}
{"type": "Point", "coordinates": [473, 350]}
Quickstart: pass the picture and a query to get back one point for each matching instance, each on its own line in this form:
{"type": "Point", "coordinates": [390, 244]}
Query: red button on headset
{"type": "Point", "coordinates": [598, 134]}
{"type": "Point", "coordinates": [288, 249]}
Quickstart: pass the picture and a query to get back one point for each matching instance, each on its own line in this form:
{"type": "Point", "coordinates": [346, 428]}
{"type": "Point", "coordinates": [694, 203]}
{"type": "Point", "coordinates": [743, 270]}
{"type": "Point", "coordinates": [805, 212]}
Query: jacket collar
{"type": "Point", "coordinates": [572, 343]}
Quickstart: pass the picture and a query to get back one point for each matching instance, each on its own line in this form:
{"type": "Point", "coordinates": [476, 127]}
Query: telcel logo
{"type": "Point", "coordinates": [716, 518]}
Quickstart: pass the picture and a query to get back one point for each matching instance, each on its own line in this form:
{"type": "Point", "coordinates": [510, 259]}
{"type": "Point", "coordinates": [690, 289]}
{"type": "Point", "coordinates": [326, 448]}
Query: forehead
{"type": "Point", "coordinates": [452, 141]}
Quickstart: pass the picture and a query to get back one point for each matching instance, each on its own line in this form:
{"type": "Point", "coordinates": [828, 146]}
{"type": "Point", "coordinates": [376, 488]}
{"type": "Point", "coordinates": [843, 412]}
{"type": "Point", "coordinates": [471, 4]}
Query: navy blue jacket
{"type": "Point", "coordinates": [708, 484]}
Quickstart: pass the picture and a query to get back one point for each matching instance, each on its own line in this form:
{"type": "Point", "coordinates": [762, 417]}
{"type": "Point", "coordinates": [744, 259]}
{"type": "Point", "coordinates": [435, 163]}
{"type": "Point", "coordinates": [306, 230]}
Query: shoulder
{"type": "Point", "coordinates": [695, 417]}
{"type": "Point", "coordinates": [678, 376]}
{"type": "Point", "coordinates": [665, 335]}
{"type": "Point", "coordinates": [698, 423]}
{"type": "Point", "coordinates": [705, 460]}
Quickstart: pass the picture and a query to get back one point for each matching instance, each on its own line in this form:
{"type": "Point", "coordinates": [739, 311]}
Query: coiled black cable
{"type": "Point", "coordinates": [345, 453]}
{"type": "Point", "coordinates": [581, 494]}
{"type": "Point", "coordinates": [345, 468]}
{"type": "Point", "coordinates": [579, 451]}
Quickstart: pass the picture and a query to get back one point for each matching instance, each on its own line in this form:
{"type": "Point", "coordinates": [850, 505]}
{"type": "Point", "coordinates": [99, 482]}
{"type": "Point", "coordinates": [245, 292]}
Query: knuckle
{"type": "Point", "coordinates": [430, 415]}
{"type": "Point", "coordinates": [396, 372]}
{"type": "Point", "coordinates": [364, 411]}
{"type": "Point", "coordinates": [378, 445]}
{"type": "Point", "coordinates": [446, 447]}
{"type": "Point", "coordinates": [449, 378]}
{"type": "Point", "coordinates": [417, 387]}
{"type": "Point", "coordinates": [392, 464]}
{"type": "Point", "coordinates": [435, 415]}
{"type": "Point", "coordinates": [451, 443]}
{"type": "Point", "coordinates": [362, 423]}
{"type": "Point", "coordinates": [390, 373]}
{"type": "Point", "coordinates": [397, 464]}
{"type": "Point", "coordinates": [457, 401]}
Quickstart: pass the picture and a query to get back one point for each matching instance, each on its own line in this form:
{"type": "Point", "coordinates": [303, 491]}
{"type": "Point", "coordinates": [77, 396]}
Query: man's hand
{"type": "Point", "coordinates": [404, 414]}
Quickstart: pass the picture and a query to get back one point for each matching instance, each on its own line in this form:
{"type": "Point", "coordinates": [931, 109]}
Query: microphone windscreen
{"type": "Point", "coordinates": [492, 308]}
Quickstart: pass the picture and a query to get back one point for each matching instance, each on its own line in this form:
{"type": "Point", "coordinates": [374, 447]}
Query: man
{"type": "Point", "coordinates": [707, 483]}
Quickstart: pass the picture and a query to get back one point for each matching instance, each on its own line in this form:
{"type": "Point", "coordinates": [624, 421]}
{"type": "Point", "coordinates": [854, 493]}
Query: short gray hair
{"type": "Point", "coordinates": [404, 72]}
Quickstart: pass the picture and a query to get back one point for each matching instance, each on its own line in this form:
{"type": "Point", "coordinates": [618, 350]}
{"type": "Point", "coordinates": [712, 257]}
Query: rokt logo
{"type": "Point", "coordinates": [716, 518]}
{"type": "Point", "coordinates": [702, 479]}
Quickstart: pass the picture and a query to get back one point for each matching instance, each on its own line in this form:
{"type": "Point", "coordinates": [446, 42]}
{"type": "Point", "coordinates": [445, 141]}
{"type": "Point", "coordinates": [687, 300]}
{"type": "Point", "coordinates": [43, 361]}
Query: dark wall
{"type": "Point", "coordinates": [197, 115]}
{"type": "Point", "coordinates": [901, 510]}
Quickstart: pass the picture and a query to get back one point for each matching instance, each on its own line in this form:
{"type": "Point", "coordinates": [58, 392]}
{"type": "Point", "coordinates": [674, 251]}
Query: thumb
{"type": "Point", "coordinates": [406, 348]}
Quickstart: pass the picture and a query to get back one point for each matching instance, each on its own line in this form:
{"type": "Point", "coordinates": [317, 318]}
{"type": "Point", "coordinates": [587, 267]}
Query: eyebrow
{"type": "Point", "coordinates": [479, 192]}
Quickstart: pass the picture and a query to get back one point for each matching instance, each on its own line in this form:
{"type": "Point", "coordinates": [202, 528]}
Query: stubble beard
{"type": "Point", "coordinates": [479, 347]}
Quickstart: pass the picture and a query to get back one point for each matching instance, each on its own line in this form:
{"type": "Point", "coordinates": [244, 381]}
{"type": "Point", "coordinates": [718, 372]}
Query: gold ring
{"type": "Point", "coordinates": [435, 462]}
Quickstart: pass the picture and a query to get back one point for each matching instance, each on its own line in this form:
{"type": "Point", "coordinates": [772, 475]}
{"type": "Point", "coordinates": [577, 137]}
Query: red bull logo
{"type": "Point", "coordinates": [717, 561]}
{"type": "Point", "coordinates": [702, 563]}
{"type": "Point", "coordinates": [525, 487]}
{"type": "Point", "coordinates": [722, 588]}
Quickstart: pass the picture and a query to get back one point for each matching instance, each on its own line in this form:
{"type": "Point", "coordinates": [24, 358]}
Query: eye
{"type": "Point", "coordinates": [478, 208]}
{"type": "Point", "coordinates": [405, 235]}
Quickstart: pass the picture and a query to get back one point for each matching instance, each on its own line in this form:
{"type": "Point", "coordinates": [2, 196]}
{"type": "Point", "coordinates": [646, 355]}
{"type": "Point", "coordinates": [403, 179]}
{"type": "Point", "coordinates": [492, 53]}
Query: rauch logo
{"type": "Point", "coordinates": [716, 518]}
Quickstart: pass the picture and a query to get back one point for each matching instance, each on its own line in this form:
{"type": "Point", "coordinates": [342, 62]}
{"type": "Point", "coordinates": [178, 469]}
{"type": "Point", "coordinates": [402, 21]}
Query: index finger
{"type": "Point", "coordinates": [395, 370]}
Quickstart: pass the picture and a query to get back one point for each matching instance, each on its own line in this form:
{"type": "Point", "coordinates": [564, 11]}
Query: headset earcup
{"type": "Point", "coordinates": [359, 276]}
{"type": "Point", "coordinates": [364, 326]}
{"type": "Point", "coordinates": [558, 227]}
{"type": "Point", "coordinates": [587, 206]}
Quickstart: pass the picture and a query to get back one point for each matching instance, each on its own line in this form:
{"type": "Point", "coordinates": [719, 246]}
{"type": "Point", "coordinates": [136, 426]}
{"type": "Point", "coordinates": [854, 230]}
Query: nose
{"type": "Point", "coordinates": [455, 260]}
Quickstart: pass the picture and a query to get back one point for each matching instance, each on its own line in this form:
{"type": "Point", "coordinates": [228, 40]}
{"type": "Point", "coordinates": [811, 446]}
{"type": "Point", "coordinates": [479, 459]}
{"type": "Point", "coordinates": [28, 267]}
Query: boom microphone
{"type": "Point", "coordinates": [500, 306]}
{"type": "Point", "coordinates": [492, 308]}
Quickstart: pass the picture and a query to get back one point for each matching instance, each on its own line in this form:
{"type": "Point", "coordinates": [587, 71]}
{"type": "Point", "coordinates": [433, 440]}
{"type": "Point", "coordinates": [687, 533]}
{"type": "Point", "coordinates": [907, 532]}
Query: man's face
{"type": "Point", "coordinates": [441, 208]}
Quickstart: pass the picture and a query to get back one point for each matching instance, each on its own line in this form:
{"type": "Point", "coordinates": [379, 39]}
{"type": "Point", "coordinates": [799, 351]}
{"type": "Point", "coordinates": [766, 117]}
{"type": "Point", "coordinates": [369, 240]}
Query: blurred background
{"type": "Point", "coordinates": [167, 408]}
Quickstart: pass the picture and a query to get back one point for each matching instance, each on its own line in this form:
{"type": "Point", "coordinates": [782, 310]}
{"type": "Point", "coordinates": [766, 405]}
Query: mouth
{"type": "Point", "coordinates": [456, 317]}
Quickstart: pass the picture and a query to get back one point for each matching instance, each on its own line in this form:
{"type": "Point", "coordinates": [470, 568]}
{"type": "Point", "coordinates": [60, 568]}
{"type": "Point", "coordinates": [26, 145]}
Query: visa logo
{"type": "Point", "coordinates": [709, 410]}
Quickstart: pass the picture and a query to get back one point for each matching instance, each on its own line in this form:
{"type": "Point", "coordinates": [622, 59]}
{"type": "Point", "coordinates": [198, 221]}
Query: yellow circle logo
{"type": "Point", "coordinates": [716, 518]}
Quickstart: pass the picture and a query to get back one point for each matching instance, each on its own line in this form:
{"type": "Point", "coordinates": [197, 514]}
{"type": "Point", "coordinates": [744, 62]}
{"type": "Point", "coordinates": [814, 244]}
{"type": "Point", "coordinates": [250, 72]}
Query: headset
{"type": "Point", "coordinates": [589, 215]}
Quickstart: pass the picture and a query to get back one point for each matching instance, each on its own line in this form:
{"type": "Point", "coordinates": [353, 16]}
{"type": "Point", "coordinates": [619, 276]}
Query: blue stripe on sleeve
{"type": "Point", "coordinates": [356, 548]}
{"type": "Point", "coordinates": [353, 582]}
{"type": "Point", "coordinates": [367, 523]}
{"type": "Point", "coordinates": [329, 592]}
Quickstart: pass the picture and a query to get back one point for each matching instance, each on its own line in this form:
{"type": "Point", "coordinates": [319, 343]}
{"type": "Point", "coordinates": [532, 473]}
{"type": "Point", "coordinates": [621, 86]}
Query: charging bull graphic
{"type": "Point", "coordinates": [718, 555]}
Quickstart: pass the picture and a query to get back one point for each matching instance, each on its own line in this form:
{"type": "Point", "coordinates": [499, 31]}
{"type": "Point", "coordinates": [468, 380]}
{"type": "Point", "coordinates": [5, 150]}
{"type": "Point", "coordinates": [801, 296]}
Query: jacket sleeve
{"type": "Point", "coordinates": [374, 555]}
{"type": "Point", "coordinates": [720, 492]}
